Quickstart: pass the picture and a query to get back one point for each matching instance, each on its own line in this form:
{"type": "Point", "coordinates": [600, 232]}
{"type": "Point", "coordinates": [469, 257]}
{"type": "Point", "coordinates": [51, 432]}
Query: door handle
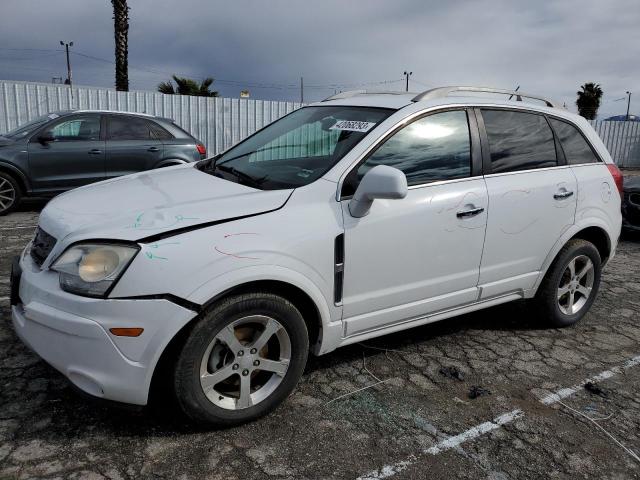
{"type": "Point", "coordinates": [562, 195]}
{"type": "Point", "coordinates": [153, 149]}
{"type": "Point", "coordinates": [469, 213]}
{"type": "Point", "coordinates": [95, 151]}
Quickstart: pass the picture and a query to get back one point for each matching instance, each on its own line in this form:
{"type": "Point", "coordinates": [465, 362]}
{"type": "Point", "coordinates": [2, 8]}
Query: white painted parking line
{"type": "Point", "coordinates": [555, 397]}
{"type": "Point", "coordinates": [20, 227]}
{"type": "Point", "coordinates": [477, 431]}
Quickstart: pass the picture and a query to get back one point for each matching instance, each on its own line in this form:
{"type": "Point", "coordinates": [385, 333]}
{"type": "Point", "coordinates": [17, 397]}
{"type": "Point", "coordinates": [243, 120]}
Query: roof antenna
{"type": "Point", "coordinates": [518, 98]}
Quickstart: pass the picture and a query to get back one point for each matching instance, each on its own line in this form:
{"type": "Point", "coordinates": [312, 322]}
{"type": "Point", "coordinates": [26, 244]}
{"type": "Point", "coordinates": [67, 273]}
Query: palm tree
{"type": "Point", "coordinates": [588, 100]}
{"type": "Point", "coordinates": [186, 86]}
{"type": "Point", "coordinates": [121, 33]}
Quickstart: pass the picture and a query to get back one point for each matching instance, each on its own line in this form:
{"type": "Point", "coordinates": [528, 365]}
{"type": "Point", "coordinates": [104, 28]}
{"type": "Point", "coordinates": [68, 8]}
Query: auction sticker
{"type": "Point", "coordinates": [353, 126]}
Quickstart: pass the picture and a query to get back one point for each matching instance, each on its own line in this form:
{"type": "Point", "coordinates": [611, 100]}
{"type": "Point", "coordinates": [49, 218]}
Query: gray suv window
{"type": "Point", "coordinates": [435, 147]}
{"type": "Point", "coordinates": [128, 128]}
{"type": "Point", "coordinates": [518, 141]}
{"type": "Point", "coordinates": [76, 129]}
{"type": "Point", "coordinates": [575, 147]}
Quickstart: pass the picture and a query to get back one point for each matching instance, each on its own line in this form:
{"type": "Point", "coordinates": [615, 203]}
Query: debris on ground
{"type": "Point", "coordinates": [595, 389]}
{"type": "Point", "coordinates": [452, 373]}
{"type": "Point", "coordinates": [476, 391]}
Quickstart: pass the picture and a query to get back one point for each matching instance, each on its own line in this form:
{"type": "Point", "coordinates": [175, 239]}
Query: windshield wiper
{"type": "Point", "coordinates": [242, 175]}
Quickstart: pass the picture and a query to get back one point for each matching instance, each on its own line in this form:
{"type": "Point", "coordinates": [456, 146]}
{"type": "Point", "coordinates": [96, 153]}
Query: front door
{"type": "Point", "coordinates": [419, 255]}
{"type": "Point", "coordinates": [73, 156]}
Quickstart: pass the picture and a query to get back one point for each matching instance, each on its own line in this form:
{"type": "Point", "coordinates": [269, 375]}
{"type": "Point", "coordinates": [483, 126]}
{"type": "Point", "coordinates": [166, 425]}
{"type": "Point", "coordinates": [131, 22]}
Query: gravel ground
{"type": "Point", "coordinates": [420, 421]}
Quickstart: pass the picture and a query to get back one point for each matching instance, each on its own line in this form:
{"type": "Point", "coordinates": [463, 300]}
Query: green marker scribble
{"type": "Point", "coordinates": [151, 256]}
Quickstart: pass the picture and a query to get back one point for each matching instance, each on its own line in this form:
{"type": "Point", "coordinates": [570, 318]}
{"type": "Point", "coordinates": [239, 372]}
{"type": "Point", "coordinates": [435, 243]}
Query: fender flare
{"type": "Point", "coordinates": [21, 176]}
{"type": "Point", "coordinates": [217, 286]}
{"type": "Point", "coordinates": [566, 236]}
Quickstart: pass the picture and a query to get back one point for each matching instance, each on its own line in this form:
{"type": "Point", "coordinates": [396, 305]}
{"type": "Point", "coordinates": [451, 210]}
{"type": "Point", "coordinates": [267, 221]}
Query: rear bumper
{"type": "Point", "coordinates": [71, 333]}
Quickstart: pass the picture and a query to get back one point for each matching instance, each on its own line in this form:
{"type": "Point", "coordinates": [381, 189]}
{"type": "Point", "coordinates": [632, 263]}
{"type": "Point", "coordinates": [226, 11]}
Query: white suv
{"type": "Point", "coordinates": [347, 219]}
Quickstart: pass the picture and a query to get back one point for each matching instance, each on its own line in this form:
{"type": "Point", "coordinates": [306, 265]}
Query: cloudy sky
{"type": "Point", "coordinates": [548, 47]}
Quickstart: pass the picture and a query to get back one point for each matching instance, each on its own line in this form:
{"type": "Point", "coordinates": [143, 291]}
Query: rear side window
{"type": "Point", "coordinates": [575, 147]}
{"type": "Point", "coordinates": [518, 141]}
{"type": "Point", "coordinates": [435, 147]}
{"type": "Point", "coordinates": [159, 132]}
{"type": "Point", "coordinates": [128, 128]}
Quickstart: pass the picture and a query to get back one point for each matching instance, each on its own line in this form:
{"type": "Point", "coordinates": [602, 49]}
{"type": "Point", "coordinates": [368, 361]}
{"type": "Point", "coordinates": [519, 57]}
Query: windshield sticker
{"type": "Point", "coordinates": [353, 126]}
{"type": "Point", "coordinates": [53, 116]}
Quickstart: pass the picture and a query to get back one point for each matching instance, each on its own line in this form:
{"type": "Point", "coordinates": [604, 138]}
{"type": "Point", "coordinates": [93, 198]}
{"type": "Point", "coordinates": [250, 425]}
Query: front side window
{"type": "Point", "coordinates": [435, 147]}
{"type": "Point", "coordinates": [77, 129]}
{"type": "Point", "coordinates": [296, 149]}
{"type": "Point", "coordinates": [128, 128]}
{"type": "Point", "coordinates": [575, 147]}
{"type": "Point", "coordinates": [518, 141]}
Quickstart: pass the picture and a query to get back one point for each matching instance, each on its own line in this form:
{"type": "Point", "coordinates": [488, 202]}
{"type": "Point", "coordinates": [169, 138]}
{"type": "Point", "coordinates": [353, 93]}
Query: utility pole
{"type": "Point", "coordinates": [407, 75]}
{"type": "Point", "coordinates": [66, 46]}
{"type": "Point", "coordinates": [301, 90]}
{"type": "Point", "coordinates": [628, 105]}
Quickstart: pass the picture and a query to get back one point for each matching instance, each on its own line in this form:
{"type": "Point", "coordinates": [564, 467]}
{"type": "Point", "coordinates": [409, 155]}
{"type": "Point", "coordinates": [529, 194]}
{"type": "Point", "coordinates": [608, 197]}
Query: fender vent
{"type": "Point", "coordinates": [338, 269]}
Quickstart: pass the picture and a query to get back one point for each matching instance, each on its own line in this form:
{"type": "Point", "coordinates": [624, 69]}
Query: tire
{"type": "Point", "coordinates": [9, 193]}
{"type": "Point", "coordinates": [209, 355]}
{"type": "Point", "coordinates": [554, 304]}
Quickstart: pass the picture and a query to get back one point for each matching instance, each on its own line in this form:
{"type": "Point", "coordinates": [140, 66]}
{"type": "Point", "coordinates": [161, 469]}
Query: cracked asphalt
{"type": "Point", "coordinates": [389, 430]}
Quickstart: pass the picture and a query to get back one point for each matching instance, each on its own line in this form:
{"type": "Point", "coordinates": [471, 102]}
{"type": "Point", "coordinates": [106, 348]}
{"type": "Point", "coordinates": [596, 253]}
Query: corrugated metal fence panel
{"type": "Point", "coordinates": [218, 122]}
{"type": "Point", "coordinates": [622, 140]}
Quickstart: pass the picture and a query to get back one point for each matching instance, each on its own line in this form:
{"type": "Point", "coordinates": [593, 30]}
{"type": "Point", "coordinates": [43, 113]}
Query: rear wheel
{"type": "Point", "coordinates": [571, 284]}
{"type": "Point", "coordinates": [241, 360]}
{"type": "Point", "coordinates": [9, 193]}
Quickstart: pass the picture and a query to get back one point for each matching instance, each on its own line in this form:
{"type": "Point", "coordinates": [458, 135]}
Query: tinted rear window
{"type": "Point", "coordinates": [575, 147]}
{"type": "Point", "coordinates": [128, 128]}
{"type": "Point", "coordinates": [518, 141]}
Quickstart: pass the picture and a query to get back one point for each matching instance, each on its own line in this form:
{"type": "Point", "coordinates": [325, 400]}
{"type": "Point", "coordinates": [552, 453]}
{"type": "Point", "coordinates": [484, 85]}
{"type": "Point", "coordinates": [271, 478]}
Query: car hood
{"type": "Point", "coordinates": [632, 184]}
{"type": "Point", "coordinates": [152, 203]}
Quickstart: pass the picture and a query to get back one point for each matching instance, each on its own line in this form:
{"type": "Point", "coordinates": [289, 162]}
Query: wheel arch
{"type": "Point", "coordinates": [302, 300]}
{"type": "Point", "coordinates": [17, 174]}
{"type": "Point", "coordinates": [595, 233]}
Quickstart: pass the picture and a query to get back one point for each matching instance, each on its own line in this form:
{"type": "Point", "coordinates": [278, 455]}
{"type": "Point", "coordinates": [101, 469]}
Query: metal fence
{"type": "Point", "coordinates": [218, 122]}
{"type": "Point", "coordinates": [622, 140]}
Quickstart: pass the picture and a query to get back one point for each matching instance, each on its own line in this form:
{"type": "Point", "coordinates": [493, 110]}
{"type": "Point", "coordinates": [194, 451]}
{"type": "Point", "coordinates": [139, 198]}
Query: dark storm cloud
{"type": "Point", "coordinates": [548, 47]}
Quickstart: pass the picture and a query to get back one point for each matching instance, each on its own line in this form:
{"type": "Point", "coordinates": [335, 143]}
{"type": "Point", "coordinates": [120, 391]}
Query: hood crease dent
{"type": "Point", "coordinates": [154, 204]}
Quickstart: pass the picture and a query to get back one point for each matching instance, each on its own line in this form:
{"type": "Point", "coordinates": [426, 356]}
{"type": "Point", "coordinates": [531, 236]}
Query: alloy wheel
{"type": "Point", "coordinates": [7, 194]}
{"type": "Point", "coordinates": [576, 285]}
{"type": "Point", "coordinates": [245, 362]}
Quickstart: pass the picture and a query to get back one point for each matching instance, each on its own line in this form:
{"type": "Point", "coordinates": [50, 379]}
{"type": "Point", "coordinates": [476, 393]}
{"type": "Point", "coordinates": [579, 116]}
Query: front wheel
{"type": "Point", "coordinates": [571, 284]}
{"type": "Point", "coordinates": [9, 193]}
{"type": "Point", "coordinates": [241, 360]}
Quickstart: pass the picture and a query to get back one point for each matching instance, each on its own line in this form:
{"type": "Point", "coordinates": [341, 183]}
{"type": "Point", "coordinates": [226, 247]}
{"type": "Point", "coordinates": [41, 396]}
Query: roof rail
{"type": "Point", "coordinates": [347, 94]}
{"type": "Point", "coordinates": [445, 91]}
{"type": "Point", "coordinates": [354, 93]}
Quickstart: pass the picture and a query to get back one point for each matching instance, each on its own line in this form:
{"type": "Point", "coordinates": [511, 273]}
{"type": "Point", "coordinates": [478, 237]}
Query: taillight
{"type": "Point", "coordinates": [617, 176]}
{"type": "Point", "coordinates": [201, 149]}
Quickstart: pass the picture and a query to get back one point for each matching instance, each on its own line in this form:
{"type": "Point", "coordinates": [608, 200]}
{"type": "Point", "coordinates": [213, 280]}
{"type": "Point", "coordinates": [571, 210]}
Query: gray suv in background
{"type": "Point", "coordinates": [64, 150]}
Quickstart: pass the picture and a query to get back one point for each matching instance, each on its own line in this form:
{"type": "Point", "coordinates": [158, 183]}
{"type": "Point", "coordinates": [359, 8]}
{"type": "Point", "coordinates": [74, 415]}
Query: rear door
{"type": "Point", "coordinates": [75, 155]}
{"type": "Point", "coordinates": [131, 145]}
{"type": "Point", "coordinates": [532, 196]}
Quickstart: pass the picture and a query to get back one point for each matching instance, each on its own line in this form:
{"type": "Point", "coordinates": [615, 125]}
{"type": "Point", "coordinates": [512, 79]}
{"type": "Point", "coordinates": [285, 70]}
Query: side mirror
{"type": "Point", "coordinates": [379, 182]}
{"type": "Point", "coordinates": [45, 138]}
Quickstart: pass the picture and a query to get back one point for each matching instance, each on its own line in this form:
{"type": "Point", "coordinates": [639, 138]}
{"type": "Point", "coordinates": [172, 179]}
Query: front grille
{"type": "Point", "coordinates": [634, 198]}
{"type": "Point", "coordinates": [41, 247]}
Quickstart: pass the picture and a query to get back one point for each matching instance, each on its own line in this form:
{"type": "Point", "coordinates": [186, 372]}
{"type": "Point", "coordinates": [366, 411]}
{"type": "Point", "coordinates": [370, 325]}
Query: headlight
{"type": "Point", "coordinates": [91, 269]}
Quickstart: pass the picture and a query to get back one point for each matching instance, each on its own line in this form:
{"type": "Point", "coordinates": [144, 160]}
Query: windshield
{"type": "Point", "coordinates": [27, 128]}
{"type": "Point", "coordinates": [297, 149]}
